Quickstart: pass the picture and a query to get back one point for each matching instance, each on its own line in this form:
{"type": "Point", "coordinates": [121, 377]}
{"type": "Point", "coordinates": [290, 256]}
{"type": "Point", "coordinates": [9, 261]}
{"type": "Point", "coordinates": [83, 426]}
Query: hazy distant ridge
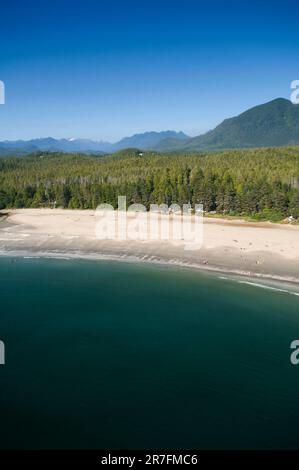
{"type": "Point", "coordinates": [144, 141]}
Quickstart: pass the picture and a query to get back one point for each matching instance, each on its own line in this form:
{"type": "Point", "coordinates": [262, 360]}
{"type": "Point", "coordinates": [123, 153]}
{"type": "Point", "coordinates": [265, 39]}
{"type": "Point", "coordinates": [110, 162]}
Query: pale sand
{"type": "Point", "coordinates": [254, 249]}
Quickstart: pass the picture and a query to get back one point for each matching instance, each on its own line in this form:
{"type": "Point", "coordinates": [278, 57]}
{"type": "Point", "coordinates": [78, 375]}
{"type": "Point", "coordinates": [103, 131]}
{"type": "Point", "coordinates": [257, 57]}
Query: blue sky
{"type": "Point", "coordinates": [107, 69]}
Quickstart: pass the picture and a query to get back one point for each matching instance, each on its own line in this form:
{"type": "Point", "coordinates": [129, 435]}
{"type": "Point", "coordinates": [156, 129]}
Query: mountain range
{"type": "Point", "coordinates": [145, 141]}
{"type": "Point", "coordinates": [272, 124]}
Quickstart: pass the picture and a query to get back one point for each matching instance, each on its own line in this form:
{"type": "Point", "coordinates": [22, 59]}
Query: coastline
{"type": "Point", "coordinates": [274, 283]}
{"type": "Point", "coordinates": [58, 233]}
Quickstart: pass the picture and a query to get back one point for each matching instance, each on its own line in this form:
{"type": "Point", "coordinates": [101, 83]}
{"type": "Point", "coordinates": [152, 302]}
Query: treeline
{"type": "Point", "coordinates": [263, 183]}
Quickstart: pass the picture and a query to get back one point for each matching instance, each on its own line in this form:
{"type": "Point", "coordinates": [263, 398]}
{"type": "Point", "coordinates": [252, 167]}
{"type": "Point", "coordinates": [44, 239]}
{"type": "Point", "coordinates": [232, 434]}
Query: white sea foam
{"type": "Point", "coordinates": [265, 286]}
{"type": "Point", "coordinates": [257, 284]}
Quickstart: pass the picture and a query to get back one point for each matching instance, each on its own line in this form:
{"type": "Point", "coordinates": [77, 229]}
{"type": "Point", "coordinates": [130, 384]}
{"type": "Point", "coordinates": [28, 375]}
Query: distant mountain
{"type": "Point", "coordinates": [49, 144]}
{"type": "Point", "coordinates": [142, 141]}
{"type": "Point", "coordinates": [147, 140]}
{"type": "Point", "coordinates": [171, 144]}
{"type": "Point", "coordinates": [269, 125]}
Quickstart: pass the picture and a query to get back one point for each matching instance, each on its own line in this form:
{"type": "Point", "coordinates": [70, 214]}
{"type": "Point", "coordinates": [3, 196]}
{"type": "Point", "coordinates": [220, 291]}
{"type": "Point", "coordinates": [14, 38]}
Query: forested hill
{"type": "Point", "coordinates": [263, 182]}
{"type": "Point", "coordinates": [271, 124]}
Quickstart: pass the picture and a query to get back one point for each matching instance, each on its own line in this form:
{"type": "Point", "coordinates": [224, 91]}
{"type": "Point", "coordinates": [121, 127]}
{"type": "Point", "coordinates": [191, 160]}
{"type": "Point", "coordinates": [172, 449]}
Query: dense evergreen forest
{"type": "Point", "coordinates": [262, 183]}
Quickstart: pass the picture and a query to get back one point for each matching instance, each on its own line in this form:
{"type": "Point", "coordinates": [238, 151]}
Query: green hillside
{"type": "Point", "coordinates": [272, 124]}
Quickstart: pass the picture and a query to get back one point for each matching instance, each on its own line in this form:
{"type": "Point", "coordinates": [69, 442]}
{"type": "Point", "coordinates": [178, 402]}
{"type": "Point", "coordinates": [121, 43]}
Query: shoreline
{"type": "Point", "coordinates": [241, 276]}
{"type": "Point", "coordinates": [259, 250]}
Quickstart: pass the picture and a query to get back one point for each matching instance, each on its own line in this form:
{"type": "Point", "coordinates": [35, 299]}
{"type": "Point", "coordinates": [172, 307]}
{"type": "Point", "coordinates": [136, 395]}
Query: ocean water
{"type": "Point", "coordinates": [118, 355]}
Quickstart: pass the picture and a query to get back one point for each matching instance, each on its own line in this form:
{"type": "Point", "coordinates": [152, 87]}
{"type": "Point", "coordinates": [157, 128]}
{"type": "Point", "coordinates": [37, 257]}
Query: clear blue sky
{"type": "Point", "coordinates": [106, 69]}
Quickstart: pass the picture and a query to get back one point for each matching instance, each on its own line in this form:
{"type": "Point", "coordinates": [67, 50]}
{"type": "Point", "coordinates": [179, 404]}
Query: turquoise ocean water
{"type": "Point", "coordinates": [116, 355]}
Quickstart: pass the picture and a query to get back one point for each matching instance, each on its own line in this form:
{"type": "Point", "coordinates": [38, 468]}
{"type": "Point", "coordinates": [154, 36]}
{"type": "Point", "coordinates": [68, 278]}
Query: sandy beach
{"type": "Point", "coordinates": [234, 246]}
